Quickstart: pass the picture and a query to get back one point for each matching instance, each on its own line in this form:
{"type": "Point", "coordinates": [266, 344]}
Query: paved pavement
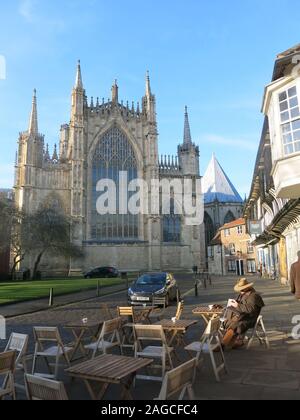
{"type": "Point", "coordinates": [255, 374]}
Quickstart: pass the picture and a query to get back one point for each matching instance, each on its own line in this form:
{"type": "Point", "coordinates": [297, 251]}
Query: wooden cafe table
{"type": "Point", "coordinates": [208, 314]}
{"type": "Point", "coordinates": [176, 329]}
{"type": "Point", "coordinates": [106, 370]}
{"type": "Point", "coordinates": [82, 330]}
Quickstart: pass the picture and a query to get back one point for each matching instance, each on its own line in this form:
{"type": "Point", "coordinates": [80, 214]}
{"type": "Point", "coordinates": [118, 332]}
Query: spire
{"type": "Point", "coordinates": [187, 130]}
{"type": "Point", "coordinates": [55, 155]}
{"type": "Point", "coordinates": [115, 93]}
{"type": "Point", "coordinates": [47, 154]}
{"type": "Point", "coordinates": [148, 85]}
{"type": "Point", "coordinates": [33, 123]}
{"type": "Point", "coordinates": [78, 82]}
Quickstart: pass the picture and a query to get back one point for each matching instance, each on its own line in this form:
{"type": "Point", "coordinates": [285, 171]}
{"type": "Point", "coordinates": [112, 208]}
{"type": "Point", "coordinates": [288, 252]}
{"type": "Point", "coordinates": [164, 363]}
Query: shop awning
{"type": "Point", "coordinates": [285, 218]}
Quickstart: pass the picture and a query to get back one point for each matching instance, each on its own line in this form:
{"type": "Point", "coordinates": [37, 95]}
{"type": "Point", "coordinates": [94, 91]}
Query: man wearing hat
{"type": "Point", "coordinates": [242, 314]}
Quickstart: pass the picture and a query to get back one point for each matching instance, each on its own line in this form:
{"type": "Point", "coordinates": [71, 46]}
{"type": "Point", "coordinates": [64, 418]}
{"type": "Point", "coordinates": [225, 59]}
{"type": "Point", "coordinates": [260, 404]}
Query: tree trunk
{"type": "Point", "coordinates": [17, 261]}
{"type": "Point", "coordinates": [36, 265]}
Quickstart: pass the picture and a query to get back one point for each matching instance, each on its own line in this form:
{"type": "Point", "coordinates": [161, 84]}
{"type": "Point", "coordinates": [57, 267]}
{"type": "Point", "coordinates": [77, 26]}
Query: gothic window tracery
{"type": "Point", "coordinates": [172, 225]}
{"type": "Point", "coordinates": [113, 154]}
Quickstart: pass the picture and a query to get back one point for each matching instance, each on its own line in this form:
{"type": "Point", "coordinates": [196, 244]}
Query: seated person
{"type": "Point", "coordinates": [241, 314]}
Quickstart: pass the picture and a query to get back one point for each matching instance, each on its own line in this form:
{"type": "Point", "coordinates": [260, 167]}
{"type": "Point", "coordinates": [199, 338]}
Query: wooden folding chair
{"type": "Point", "coordinates": [42, 389]}
{"type": "Point", "coordinates": [179, 381]}
{"type": "Point", "coordinates": [179, 311]}
{"type": "Point", "coordinates": [109, 337]}
{"type": "Point", "coordinates": [157, 314]}
{"type": "Point", "coordinates": [7, 370]}
{"type": "Point", "coordinates": [19, 344]}
{"type": "Point", "coordinates": [57, 350]}
{"type": "Point", "coordinates": [128, 320]}
{"type": "Point", "coordinates": [210, 343]}
{"type": "Point", "coordinates": [152, 334]}
{"type": "Point", "coordinates": [260, 333]}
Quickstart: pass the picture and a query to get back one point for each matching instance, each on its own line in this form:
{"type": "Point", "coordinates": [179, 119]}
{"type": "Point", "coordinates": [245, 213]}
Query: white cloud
{"type": "Point", "coordinates": [26, 10]}
{"type": "Point", "coordinates": [245, 144]}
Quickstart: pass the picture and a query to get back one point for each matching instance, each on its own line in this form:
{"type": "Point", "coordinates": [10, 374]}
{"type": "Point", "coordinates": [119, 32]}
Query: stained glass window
{"type": "Point", "coordinates": [113, 154]}
{"type": "Point", "coordinates": [172, 225]}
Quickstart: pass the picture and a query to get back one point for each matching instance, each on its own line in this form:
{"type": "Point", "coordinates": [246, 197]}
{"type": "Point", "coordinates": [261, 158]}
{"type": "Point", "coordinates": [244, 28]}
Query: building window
{"type": "Point", "coordinates": [251, 266]}
{"type": "Point", "coordinates": [240, 230]}
{"type": "Point", "coordinates": [172, 225]}
{"type": "Point", "coordinates": [250, 248]}
{"type": "Point", "coordinates": [232, 266]}
{"type": "Point", "coordinates": [209, 228]}
{"type": "Point", "coordinates": [113, 154]}
{"type": "Point", "coordinates": [227, 232]}
{"type": "Point", "coordinates": [290, 120]}
{"type": "Point", "coordinates": [232, 249]}
{"type": "Point", "coordinates": [211, 252]}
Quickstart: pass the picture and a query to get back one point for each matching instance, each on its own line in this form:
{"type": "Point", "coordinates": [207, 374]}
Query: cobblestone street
{"type": "Point", "coordinates": [255, 374]}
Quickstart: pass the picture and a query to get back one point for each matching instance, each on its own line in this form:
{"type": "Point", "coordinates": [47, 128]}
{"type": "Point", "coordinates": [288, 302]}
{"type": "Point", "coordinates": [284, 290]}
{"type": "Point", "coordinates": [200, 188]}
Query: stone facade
{"type": "Point", "coordinates": [67, 180]}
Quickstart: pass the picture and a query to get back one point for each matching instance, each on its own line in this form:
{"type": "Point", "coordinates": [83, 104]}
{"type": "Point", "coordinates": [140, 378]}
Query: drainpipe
{"type": "Point", "coordinates": [222, 262]}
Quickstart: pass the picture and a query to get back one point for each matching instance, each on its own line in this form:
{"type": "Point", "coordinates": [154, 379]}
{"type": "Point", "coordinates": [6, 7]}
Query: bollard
{"type": "Point", "coordinates": [98, 288]}
{"type": "Point", "coordinates": [196, 288]}
{"type": "Point", "coordinates": [51, 295]}
{"type": "Point", "coordinates": [124, 276]}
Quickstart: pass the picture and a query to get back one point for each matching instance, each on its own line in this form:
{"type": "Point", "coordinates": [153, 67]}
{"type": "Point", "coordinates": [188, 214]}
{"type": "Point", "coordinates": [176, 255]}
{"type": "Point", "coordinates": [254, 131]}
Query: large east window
{"type": "Point", "coordinates": [113, 154]}
{"type": "Point", "coordinates": [290, 120]}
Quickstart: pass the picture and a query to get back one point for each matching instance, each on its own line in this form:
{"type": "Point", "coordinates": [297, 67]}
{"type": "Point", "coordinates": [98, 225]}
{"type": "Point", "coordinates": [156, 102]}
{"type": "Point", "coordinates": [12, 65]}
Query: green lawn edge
{"type": "Point", "coordinates": [17, 292]}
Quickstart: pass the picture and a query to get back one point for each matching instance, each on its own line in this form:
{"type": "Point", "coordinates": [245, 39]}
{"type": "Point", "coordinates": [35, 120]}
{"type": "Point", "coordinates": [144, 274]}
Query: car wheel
{"type": "Point", "coordinates": [87, 277]}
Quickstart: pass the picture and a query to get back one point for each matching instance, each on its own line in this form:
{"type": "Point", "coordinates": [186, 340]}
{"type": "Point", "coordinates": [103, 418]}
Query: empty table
{"type": "Point", "coordinates": [109, 369]}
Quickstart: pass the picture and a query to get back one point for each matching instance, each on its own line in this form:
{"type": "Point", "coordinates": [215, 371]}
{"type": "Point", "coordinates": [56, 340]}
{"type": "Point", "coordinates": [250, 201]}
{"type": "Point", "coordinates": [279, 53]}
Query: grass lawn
{"type": "Point", "coordinates": [21, 291]}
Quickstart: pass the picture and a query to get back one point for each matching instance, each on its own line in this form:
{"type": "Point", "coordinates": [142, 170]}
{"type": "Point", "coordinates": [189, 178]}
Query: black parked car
{"type": "Point", "coordinates": [102, 272]}
{"type": "Point", "coordinates": [148, 285]}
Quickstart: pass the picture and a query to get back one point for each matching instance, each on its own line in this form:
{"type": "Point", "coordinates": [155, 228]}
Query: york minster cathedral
{"type": "Point", "coordinates": [102, 139]}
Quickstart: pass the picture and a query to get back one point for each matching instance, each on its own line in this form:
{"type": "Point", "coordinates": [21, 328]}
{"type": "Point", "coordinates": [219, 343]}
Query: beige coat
{"type": "Point", "coordinates": [295, 279]}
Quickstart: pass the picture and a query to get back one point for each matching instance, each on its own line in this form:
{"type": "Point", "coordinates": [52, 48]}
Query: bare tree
{"type": "Point", "coordinates": [13, 233]}
{"type": "Point", "coordinates": [49, 232]}
{"type": "Point", "coordinates": [6, 213]}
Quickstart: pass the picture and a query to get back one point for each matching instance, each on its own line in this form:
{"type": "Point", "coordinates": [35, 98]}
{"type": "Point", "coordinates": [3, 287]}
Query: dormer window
{"type": "Point", "coordinates": [290, 120]}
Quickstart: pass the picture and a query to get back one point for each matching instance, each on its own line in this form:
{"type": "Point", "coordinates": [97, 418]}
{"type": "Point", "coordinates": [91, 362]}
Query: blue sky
{"type": "Point", "coordinates": [214, 57]}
